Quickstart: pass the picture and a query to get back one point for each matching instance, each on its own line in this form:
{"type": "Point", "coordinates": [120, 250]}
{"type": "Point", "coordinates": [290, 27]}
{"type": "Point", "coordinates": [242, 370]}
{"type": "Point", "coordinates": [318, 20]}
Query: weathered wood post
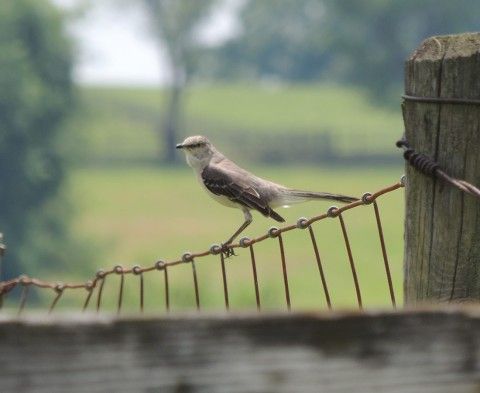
{"type": "Point", "coordinates": [442, 226]}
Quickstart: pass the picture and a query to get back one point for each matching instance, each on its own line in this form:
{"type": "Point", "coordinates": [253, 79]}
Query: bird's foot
{"type": "Point", "coordinates": [227, 251]}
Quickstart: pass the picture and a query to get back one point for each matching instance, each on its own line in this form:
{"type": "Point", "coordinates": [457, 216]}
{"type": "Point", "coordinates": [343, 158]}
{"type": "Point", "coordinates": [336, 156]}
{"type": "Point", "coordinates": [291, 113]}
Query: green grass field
{"type": "Point", "coordinates": [132, 214]}
{"type": "Point", "coordinates": [140, 215]}
{"type": "Point", "coordinates": [122, 122]}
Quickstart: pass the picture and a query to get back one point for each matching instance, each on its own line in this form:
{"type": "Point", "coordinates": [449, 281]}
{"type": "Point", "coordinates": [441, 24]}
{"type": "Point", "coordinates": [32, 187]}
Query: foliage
{"type": "Point", "coordinates": [374, 37]}
{"type": "Point", "coordinates": [281, 39]}
{"type": "Point", "coordinates": [174, 25]}
{"type": "Point", "coordinates": [35, 97]}
{"type": "Point", "coordinates": [361, 41]}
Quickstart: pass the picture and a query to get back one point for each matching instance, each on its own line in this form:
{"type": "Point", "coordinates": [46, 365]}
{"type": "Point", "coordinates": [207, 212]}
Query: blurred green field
{"type": "Point", "coordinates": [140, 215]}
{"type": "Point", "coordinates": [120, 123]}
{"type": "Point", "coordinates": [136, 214]}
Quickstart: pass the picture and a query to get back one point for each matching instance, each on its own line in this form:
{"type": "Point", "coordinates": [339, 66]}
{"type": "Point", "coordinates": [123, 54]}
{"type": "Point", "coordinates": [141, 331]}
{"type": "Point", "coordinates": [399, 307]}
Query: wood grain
{"type": "Point", "coordinates": [412, 351]}
{"type": "Point", "coordinates": [442, 226]}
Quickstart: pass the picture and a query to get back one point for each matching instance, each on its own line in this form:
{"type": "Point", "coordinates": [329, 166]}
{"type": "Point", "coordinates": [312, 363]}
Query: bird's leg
{"type": "Point", "coordinates": [248, 220]}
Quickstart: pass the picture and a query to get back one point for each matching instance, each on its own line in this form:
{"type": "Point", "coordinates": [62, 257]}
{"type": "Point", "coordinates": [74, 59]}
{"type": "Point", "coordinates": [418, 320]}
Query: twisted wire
{"type": "Point", "coordinates": [429, 167]}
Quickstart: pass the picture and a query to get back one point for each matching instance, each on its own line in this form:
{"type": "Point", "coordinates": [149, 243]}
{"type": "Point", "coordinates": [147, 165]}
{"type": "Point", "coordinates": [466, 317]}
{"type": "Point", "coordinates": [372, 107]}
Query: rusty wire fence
{"type": "Point", "coordinates": [94, 288]}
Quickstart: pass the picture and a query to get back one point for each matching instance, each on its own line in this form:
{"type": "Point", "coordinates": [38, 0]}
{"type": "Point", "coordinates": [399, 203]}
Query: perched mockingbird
{"type": "Point", "coordinates": [233, 186]}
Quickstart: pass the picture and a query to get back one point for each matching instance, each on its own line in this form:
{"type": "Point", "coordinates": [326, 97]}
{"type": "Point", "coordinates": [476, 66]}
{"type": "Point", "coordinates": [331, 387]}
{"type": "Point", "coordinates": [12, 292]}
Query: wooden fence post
{"type": "Point", "coordinates": [442, 226]}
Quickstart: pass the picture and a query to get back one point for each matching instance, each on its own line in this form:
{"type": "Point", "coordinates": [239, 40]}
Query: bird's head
{"type": "Point", "coordinates": [198, 150]}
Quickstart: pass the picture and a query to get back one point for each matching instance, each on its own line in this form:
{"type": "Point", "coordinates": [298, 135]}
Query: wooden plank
{"type": "Point", "coordinates": [442, 226]}
{"type": "Point", "coordinates": [413, 351]}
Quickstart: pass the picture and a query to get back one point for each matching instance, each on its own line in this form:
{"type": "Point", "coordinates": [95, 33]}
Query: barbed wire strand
{"type": "Point", "coordinates": [426, 165]}
{"type": "Point", "coordinates": [98, 283]}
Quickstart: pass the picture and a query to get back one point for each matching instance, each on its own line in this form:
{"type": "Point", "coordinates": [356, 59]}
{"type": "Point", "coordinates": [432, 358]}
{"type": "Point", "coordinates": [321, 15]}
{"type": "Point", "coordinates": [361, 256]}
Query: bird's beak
{"type": "Point", "coordinates": [179, 146]}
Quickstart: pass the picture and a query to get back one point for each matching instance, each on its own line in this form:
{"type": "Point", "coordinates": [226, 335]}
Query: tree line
{"type": "Point", "coordinates": [360, 42]}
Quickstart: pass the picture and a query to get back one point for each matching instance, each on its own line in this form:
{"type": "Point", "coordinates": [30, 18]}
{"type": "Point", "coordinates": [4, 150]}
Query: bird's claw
{"type": "Point", "coordinates": [227, 251]}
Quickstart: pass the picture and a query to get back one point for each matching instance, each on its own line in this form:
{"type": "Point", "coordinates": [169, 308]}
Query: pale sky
{"type": "Point", "coordinates": [115, 48]}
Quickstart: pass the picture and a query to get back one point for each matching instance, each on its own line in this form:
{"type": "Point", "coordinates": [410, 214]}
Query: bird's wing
{"type": "Point", "coordinates": [231, 185]}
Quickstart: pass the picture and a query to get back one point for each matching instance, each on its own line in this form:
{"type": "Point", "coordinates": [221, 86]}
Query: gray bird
{"type": "Point", "coordinates": [233, 186]}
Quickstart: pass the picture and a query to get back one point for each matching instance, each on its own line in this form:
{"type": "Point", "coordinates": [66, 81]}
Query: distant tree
{"type": "Point", "coordinates": [281, 39]}
{"type": "Point", "coordinates": [175, 25]}
{"type": "Point", "coordinates": [371, 39]}
{"type": "Point", "coordinates": [353, 41]}
{"type": "Point", "coordinates": [35, 98]}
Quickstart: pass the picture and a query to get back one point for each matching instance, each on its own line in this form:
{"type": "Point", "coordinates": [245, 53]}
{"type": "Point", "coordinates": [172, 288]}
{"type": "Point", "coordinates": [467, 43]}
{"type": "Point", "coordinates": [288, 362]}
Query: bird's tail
{"type": "Point", "coordinates": [296, 196]}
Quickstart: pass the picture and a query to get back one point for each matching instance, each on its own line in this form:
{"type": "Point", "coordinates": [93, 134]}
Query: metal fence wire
{"type": "Point", "coordinates": [94, 288]}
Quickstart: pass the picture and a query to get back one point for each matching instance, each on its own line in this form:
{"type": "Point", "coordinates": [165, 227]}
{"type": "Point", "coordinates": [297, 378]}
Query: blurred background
{"type": "Point", "coordinates": [95, 94]}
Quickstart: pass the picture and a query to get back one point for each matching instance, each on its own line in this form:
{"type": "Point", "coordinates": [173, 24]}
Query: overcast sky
{"type": "Point", "coordinates": [114, 47]}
